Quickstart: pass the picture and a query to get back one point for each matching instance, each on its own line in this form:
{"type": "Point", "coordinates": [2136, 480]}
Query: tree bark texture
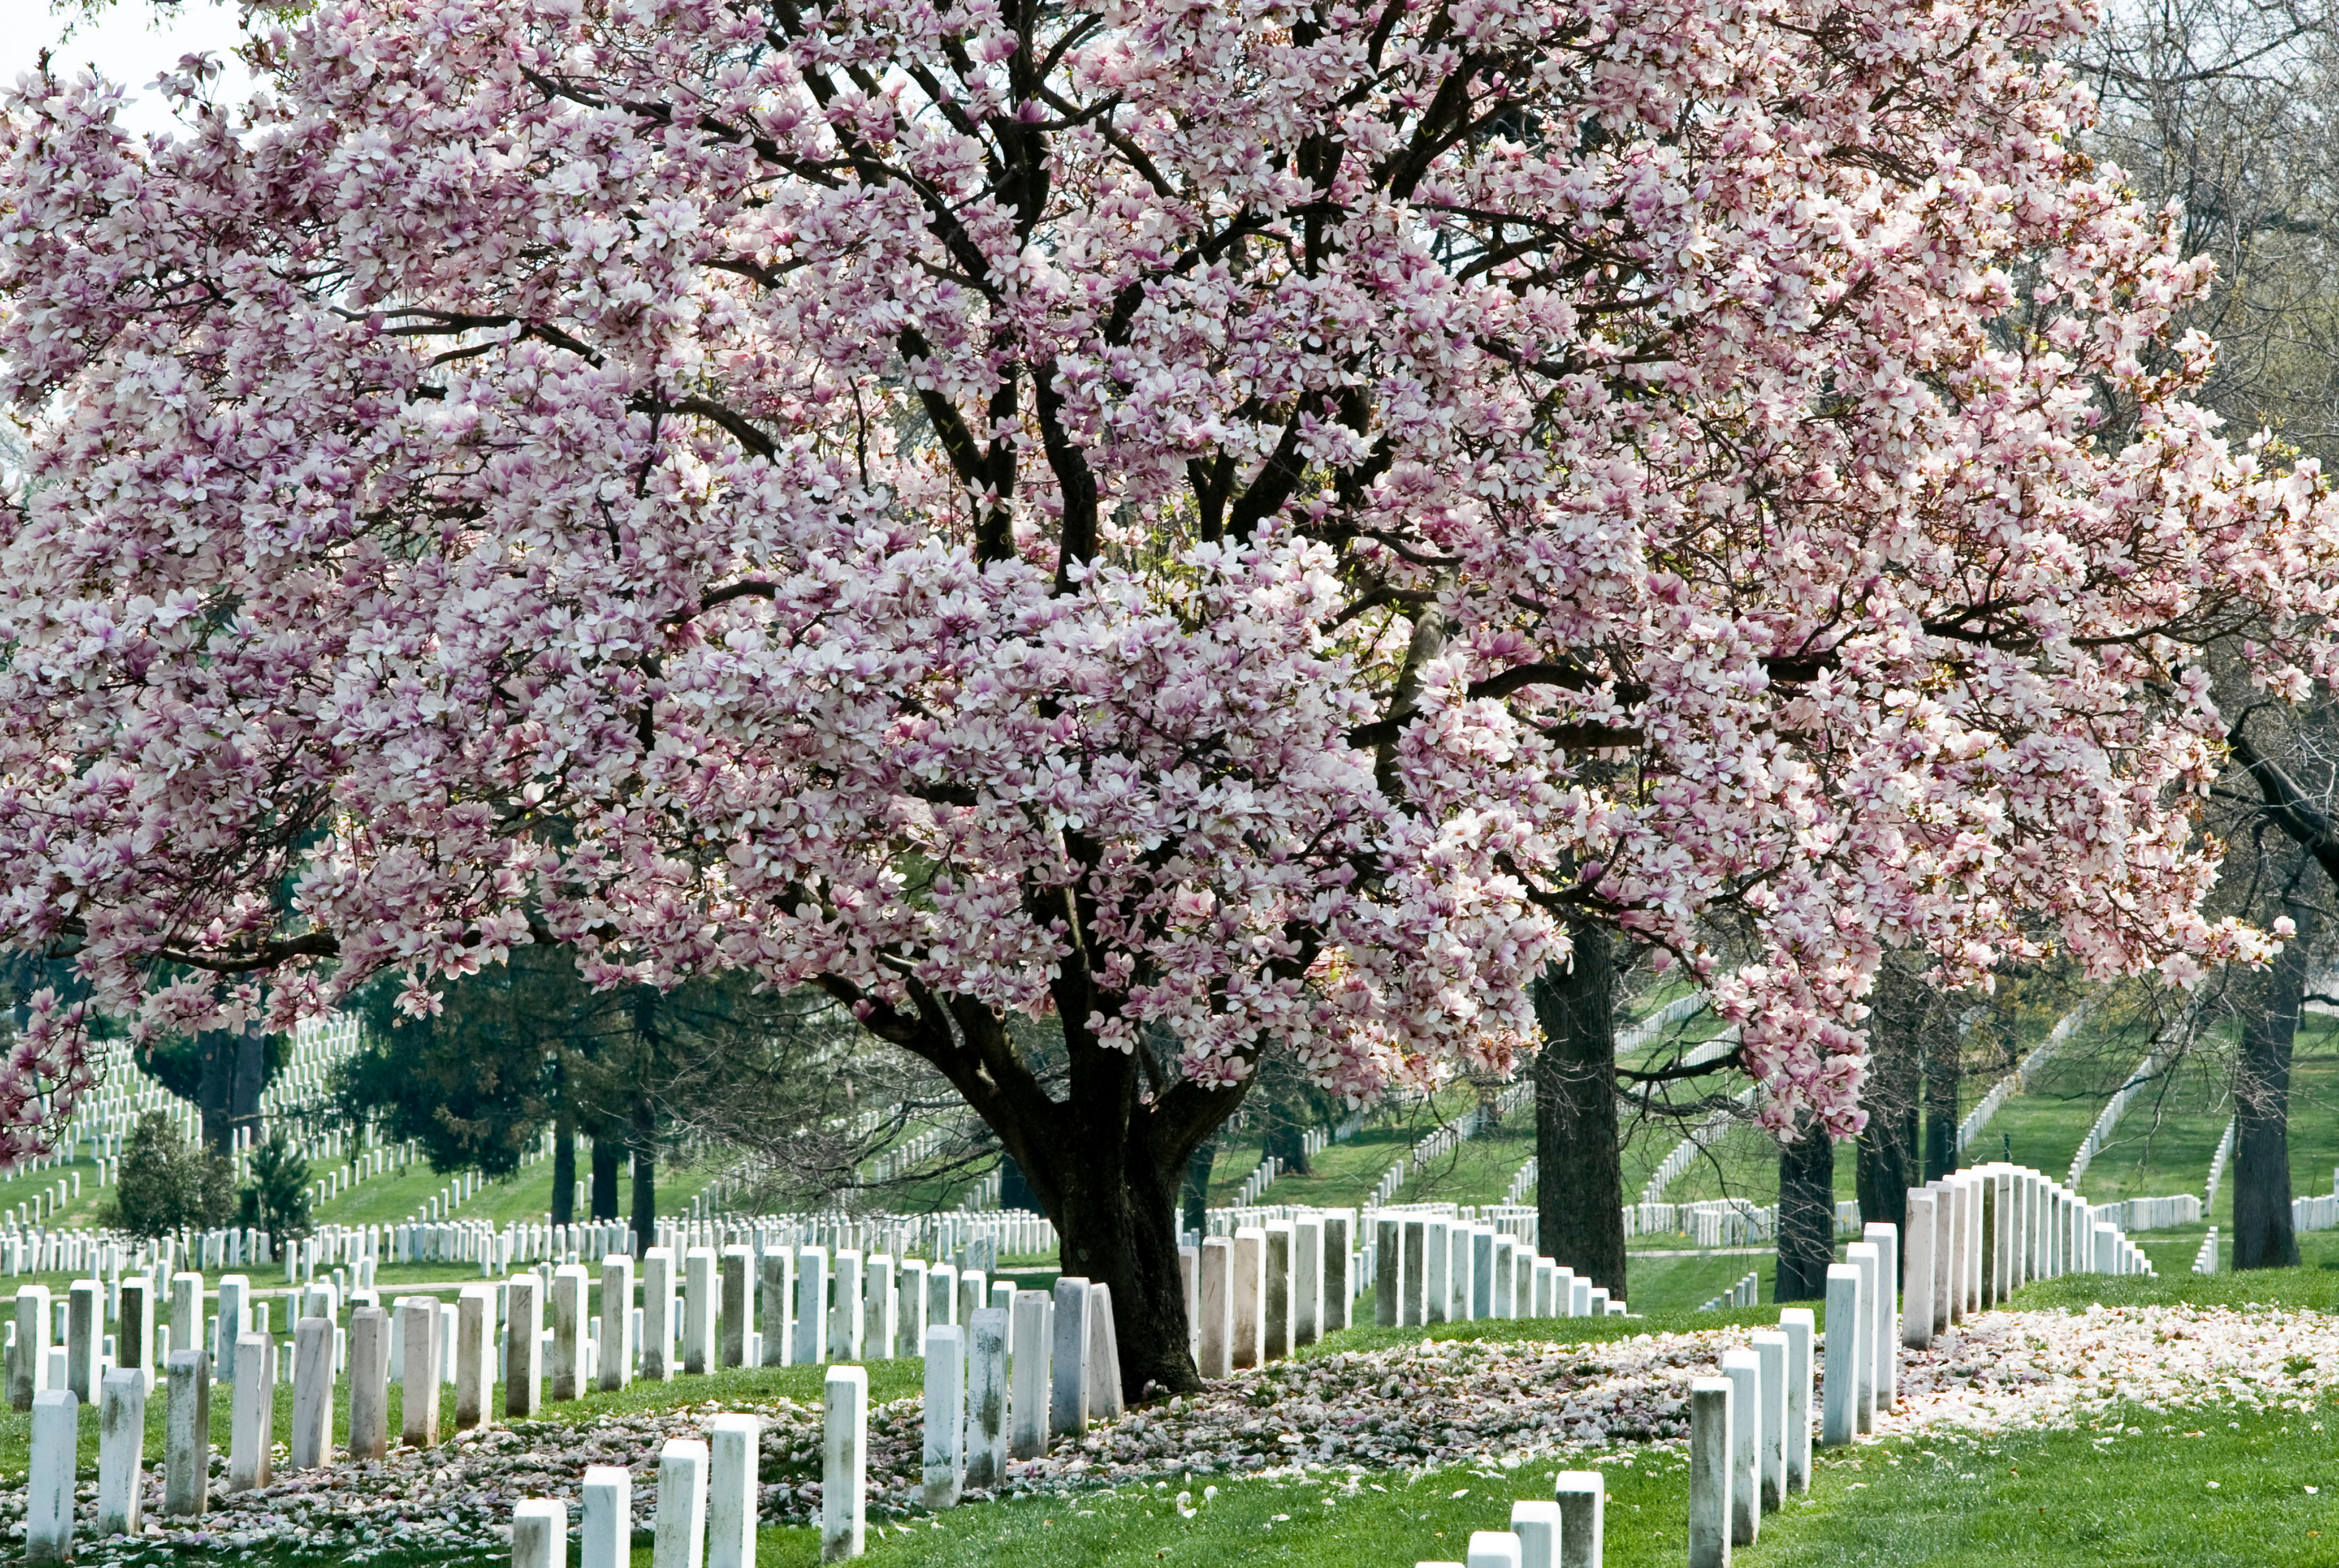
{"type": "Point", "coordinates": [608, 1158]}
{"type": "Point", "coordinates": [2263, 1234]}
{"type": "Point", "coordinates": [564, 1165]}
{"type": "Point", "coordinates": [1579, 1162]}
{"type": "Point", "coordinates": [1806, 1214]}
{"type": "Point", "coordinates": [1903, 1014]}
{"type": "Point", "coordinates": [645, 1150]}
{"type": "Point", "coordinates": [232, 1072]}
{"type": "Point", "coordinates": [1943, 1068]}
{"type": "Point", "coordinates": [1105, 1148]}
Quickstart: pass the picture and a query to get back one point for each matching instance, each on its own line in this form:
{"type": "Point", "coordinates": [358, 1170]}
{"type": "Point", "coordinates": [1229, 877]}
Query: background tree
{"type": "Point", "coordinates": [164, 1185]}
{"type": "Point", "coordinates": [276, 1200]}
{"type": "Point", "coordinates": [1235, 528]}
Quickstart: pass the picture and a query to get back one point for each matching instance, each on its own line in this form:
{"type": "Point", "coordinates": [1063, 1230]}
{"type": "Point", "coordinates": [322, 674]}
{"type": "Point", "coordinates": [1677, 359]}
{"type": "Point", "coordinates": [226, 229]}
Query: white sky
{"type": "Point", "coordinates": [131, 43]}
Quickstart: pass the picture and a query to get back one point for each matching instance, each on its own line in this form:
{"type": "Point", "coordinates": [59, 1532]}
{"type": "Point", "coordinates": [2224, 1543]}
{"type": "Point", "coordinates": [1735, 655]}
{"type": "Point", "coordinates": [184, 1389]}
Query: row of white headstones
{"type": "Point", "coordinates": [1066, 1371]}
{"type": "Point", "coordinates": [1974, 1237]}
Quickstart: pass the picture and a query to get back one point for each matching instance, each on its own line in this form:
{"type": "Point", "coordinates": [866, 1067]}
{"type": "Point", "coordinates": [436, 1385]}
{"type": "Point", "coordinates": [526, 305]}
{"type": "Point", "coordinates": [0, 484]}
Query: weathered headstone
{"type": "Point", "coordinates": [187, 1433]}
{"type": "Point", "coordinates": [738, 1264]}
{"type": "Point", "coordinates": [844, 1312]}
{"type": "Point", "coordinates": [312, 1394]}
{"type": "Point", "coordinates": [778, 1293]}
{"type": "Point", "coordinates": [657, 1315]}
{"type": "Point", "coordinates": [1250, 1280]}
{"type": "Point", "coordinates": [368, 1384]}
{"type": "Point", "coordinates": [605, 1528]}
{"type": "Point", "coordinates": [1743, 1368]}
{"type": "Point", "coordinates": [1864, 1256]}
{"type": "Point", "coordinates": [49, 1486]}
{"type": "Point", "coordinates": [1307, 1280]}
{"type": "Point", "coordinates": [1770, 1436]}
{"type": "Point", "coordinates": [1494, 1549]}
{"type": "Point", "coordinates": [944, 1472]}
{"type": "Point", "coordinates": [1846, 1304]}
{"type": "Point", "coordinates": [565, 1309]}
{"type": "Point", "coordinates": [1800, 1328]}
{"type": "Point", "coordinates": [1710, 1471]}
{"type": "Point", "coordinates": [942, 1296]}
{"type": "Point", "coordinates": [1412, 1287]}
{"type": "Point", "coordinates": [910, 1320]}
{"type": "Point", "coordinates": [85, 1336]}
{"type": "Point", "coordinates": [252, 1431]}
{"type": "Point", "coordinates": [1388, 1269]}
{"type": "Point", "coordinates": [1215, 1328]}
{"type": "Point", "coordinates": [121, 1450]}
{"type": "Point", "coordinates": [678, 1532]}
{"type": "Point", "coordinates": [28, 1373]}
{"type": "Point", "coordinates": [1339, 1271]}
{"type": "Point", "coordinates": [1030, 1334]}
{"type": "Point", "coordinates": [419, 1378]}
{"type": "Point", "coordinates": [539, 1533]}
{"type": "Point", "coordinates": [134, 1329]}
{"type": "Point", "coordinates": [1538, 1527]}
{"type": "Point", "coordinates": [1917, 1277]}
{"type": "Point", "coordinates": [1437, 1271]}
{"type": "Point", "coordinates": [812, 1306]}
{"type": "Point", "coordinates": [986, 1398]}
{"type": "Point", "coordinates": [1275, 1298]}
{"type": "Point", "coordinates": [475, 1356]}
{"type": "Point", "coordinates": [1886, 1333]}
{"type": "Point", "coordinates": [880, 1311]}
{"type": "Point", "coordinates": [1067, 1392]}
{"type": "Point", "coordinates": [698, 1307]}
{"type": "Point", "coordinates": [1581, 1495]}
{"type": "Point", "coordinates": [187, 1312]}
{"type": "Point", "coordinates": [1104, 1355]}
{"type": "Point", "coordinates": [732, 1445]}
{"type": "Point", "coordinates": [615, 1366]}
{"type": "Point", "coordinates": [523, 1347]}
{"type": "Point", "coordinates": [845, 1462]}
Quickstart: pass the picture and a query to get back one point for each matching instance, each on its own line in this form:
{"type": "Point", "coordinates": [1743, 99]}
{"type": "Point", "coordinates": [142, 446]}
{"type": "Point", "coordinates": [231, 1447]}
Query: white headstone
{"type": "Point", "coordinates": [812, 1306]}
{"type": "Point", "coordinates": [312, 1393]}
{"type": "Point", "coordinates": [1709, 1473]}
{"type": "Point", "coordinates": [617, 1348]}
{"type": "Point", "coordinates": [1846, 1304]}
{"type": "Point", "coordinates": [845, 1462]}
{"type": "Point", "coordinates": [606, 1526]}
{"type": "Point", "coordinates": [1743, 1368]}
{"type": "Point", "coordinates": [187, 1433]}
{"type": "Point", "coordinates": [419, 1374]}
{"type": "Point", "coordinates": [678, 1532]}
{"type": "Point", "coordinates": [121, 1450]}
{"type": "Point", "coordinates": [540, 1534]}
{"type": "Point", "coordinates": [252, 1431]}
{"type": "Point", "coordinates": [523, 1347]}
{"type": "Point", "coordinates": [1104, 1355]}
{"type": "Point", "coordinates": [1538, 1527]}
{"type": "Point", "coordinates": [1031, 1335]}
{"type": "Point", "coordinates": [1770, 1462]}
{"type": "Point", "coordinates": [1067, 1398]}
{"type": "Point", "coordinates": [986, 1398]}
{"type": "Point", "coordinates": [49, 1488]}
{"type": "Point", "coordinates": [945, 1412]}
{"type": "Point", "coordinates": [732, 1442]}
{"type": "Point", "coordinates": [1580, 1494]}
{"type": "Point", "coordinates": [369, 1383]}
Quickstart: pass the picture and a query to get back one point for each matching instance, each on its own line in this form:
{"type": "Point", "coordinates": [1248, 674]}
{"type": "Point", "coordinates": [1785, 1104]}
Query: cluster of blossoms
{"type": "Point", "coordinates": [1217, 523]}
{"type": "Point", "coordinates": [1440, 1404]}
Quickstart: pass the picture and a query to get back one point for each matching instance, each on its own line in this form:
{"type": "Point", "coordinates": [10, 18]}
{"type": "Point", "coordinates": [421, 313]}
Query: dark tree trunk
{"type": "Point", "coordinates": [1117, 1219]}
{"type": "Point", "coordinates": [564, 1167]}
{"type": "Point", "coordinates": [1287, 1137]}
{"type": "Point", "coordinates": [2263, 1237]}
{"type": "Point", "coordinates": [231, 1071]}
{"type": "Point", "coordinates": [1196, 1186]}
{"type": "Point", "coordinates": [1579, 1163]}
{"type": "Point", "coordinates": [1943, 1049]}
{"type": "Point", "coordinates": [645, 1140]}
{"type": "Point", "coordinates": [608, 1154]}
{"type": "Point", "coordinates": [1806, 1214]}
{"type": "Point", "coordinates": [1901, 1017]}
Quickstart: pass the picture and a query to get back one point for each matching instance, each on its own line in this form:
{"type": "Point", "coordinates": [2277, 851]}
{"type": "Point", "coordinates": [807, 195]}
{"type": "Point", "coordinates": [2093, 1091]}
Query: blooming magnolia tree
{"type": "Point", "coordinates": [1231, 525]}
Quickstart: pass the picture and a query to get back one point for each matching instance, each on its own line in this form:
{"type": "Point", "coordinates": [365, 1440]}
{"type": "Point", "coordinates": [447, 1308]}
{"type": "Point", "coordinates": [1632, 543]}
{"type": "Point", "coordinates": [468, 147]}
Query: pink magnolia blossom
{"type": "Point", "coordinates": [1226, 524]}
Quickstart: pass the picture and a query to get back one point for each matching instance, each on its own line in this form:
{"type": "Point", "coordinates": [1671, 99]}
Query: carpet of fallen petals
{"type": "Point", "coordinates": [1434, 1404]}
